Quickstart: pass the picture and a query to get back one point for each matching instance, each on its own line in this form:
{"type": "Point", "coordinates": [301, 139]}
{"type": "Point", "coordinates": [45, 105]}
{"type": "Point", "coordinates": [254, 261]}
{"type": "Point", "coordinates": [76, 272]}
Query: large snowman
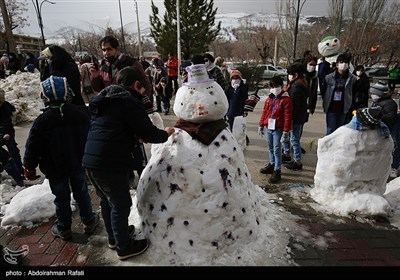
{"type": "Point", "coordinates": [195, 198]}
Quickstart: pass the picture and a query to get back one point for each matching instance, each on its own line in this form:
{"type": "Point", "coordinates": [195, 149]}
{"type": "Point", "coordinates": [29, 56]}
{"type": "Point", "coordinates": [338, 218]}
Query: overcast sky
{"type": "Point", "coordinates": [86, 13]}
{"type": "Point", "coordinates": [100, 12]}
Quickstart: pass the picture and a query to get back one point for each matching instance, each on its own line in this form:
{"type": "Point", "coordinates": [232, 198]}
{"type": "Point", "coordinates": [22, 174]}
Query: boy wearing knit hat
{"type": "Point", "coordinates": [56, 143]}
{"type": "Point", "coordinates": [382, 98]}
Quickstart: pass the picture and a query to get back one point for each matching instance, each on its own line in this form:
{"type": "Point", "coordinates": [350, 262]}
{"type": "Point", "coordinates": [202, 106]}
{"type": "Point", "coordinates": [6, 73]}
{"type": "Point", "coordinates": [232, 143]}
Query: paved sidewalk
{"type": "Point", "coordinates": [330, 241]}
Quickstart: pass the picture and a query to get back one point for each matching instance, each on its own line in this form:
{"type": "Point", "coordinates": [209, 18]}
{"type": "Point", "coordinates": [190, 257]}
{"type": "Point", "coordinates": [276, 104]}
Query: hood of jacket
{"type": "Point", "coordinates": [110, 95]}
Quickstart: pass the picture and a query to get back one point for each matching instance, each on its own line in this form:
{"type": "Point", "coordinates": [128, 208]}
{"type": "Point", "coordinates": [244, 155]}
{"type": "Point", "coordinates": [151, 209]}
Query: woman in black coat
{"type": "Point", "coordinates": [61, 64]}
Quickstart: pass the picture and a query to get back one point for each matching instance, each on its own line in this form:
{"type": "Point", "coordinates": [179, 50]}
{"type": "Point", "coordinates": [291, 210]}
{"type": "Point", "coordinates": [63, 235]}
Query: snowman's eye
{"type": "Point", "coordinates": [215, 102]}
{"type": "Point", "coordinates": [327, 44]}
{"type": "Point", "coordinates": [181, 103]}
{"type": "Point", "coordinates": [335, 40]}
{"type": "Point", "coordinates": [211, 93]}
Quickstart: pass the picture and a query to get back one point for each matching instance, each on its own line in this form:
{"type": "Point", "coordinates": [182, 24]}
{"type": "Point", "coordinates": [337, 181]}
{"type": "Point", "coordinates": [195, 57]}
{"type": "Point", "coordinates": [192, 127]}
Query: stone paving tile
{"type": "Point", "coordinates": [39, 259]}
{"type": "Point", "coordinates": [38, 248]}
{"type": "Point", "coordinates": [26, 239]}
{"type": "Point", "coordinates": [379, 243]}
{"type": "Point", "coordinates": [66, 255]}
{"type": "Point", "coordinates": [56, 246]}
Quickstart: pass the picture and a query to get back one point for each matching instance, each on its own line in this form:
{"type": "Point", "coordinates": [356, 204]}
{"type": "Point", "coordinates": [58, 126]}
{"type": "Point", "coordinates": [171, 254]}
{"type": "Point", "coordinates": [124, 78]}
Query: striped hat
{"type": "Point", "coordinates": [369, 116]}
{"type": "Point", "coordinates": [55, 88]}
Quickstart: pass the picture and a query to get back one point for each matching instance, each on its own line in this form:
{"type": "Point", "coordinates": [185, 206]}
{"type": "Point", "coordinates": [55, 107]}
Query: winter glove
{"type": "Point", "coordinates": [285, 137]}
{"type": "Point", "coordinates": [30, 174]}
{"type": "Point", "coordinates": [261, 131]}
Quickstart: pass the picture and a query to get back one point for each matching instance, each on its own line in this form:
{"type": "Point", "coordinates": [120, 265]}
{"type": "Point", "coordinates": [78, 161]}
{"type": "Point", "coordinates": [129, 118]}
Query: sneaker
{"type": "Point", "coordinates": [90, 227]}
{"type": "Point", "coordinates": [111, 241]}
{"type": "Point", "coordinates": [393, 173]}
{"type": "Point", "coordinates": [63, 234]}
{"type": "Point", "coordinates": [286, 158]}
{"type": "Point", "coordinates": [135, 247]}
{"type": "Point", "coordinates": [275, 177]}
{"type": "Point", "coordinates": [294, 165]}
{"type": "Point", "coordinates": [268, 169]}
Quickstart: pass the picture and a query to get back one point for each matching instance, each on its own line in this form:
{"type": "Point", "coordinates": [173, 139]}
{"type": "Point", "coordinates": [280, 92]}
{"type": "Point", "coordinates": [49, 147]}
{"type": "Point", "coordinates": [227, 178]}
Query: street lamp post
{"type": "Point", "coordinates": [138, 29]}
{"type": "Point", "coordinates": [38, 9]}
{"type": "Point", "coordinates": [122, 26]}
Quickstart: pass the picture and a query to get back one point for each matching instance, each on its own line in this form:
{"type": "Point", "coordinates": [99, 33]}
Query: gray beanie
{"type": "Point", "coordinates": [380, 89]}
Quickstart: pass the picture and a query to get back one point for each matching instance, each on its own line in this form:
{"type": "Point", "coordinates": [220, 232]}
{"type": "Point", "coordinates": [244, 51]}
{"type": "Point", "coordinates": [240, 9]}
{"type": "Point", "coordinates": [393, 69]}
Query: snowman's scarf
{"type": "Point", "coordinates": [203, 132]}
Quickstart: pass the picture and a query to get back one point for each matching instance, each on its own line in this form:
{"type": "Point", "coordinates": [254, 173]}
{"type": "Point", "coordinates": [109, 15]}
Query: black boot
{"type": "Point", "coordinates": [268, 169]}
{"type": "Point", "coordinates": [275, 177]}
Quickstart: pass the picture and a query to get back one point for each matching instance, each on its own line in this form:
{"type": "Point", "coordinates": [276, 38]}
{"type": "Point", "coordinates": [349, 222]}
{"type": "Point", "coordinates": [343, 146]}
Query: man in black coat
{"type": "Point", "coordinates": [118, 121]}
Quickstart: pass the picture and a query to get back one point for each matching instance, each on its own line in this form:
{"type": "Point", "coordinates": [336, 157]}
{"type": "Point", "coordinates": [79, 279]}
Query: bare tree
{"type": "Point", "coordinates": [336, 14]}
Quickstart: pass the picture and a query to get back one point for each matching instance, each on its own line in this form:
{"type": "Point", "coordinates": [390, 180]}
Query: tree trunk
{"type": "Point", "coordinates": [7, 27]}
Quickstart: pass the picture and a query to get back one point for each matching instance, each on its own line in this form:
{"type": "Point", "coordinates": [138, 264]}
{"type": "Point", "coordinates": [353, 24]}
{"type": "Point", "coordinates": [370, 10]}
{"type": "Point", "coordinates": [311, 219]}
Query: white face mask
{"type": "Point", "coordinates": [343, 66]}
{"type": "Point", "coordinates": [235, 83]}
{"type": "Point", "coordinates": [275, 91]}
{"type": "Point", "coordinates": [290, 77]}
{"type": "Point", "coordinates": [310, 68]}
{"type": "Point", "coordinates": [374, 97]}
{"type": "Point", "coordinates": [358, 73]}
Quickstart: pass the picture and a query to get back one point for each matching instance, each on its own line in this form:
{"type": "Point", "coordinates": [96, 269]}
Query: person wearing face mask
{"type": "Point", "coordinates": [338, 98]}
{"type": "Point", "coordinates": [275, 121]}
{"type": "Point", "coordinates": [382, 98]}
{"type": "Point", "coordinates": [312, 80]}
{"type": "Point", "coordinates": [297, 89]}
{"type": "Point", "coordinates": [214, 72]}
{"type": "Point", "coordinates": [114, 61]}
{"type": "Point", "coordinates": [360, 92]}
{"type": "Point", "coordinates": [118, 121]}
{"type": "Point", "coordinates": [237, 94]}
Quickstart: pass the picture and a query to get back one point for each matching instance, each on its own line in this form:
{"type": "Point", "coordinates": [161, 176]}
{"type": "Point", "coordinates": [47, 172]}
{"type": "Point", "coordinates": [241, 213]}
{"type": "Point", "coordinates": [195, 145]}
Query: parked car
{"type": "Point", "coordinates": [270, 71]}
{"type": "Point", "coordinates": [281, 68]}
{"type": "Point", "coordinates": [377, 73]}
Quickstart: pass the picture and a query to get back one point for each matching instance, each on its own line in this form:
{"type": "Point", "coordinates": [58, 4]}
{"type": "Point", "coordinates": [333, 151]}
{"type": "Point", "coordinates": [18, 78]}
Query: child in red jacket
{"type": "Point", "coordinates": [275, 121]}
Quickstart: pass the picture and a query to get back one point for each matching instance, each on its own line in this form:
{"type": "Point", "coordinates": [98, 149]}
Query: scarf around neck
{"type": "Point", "coordinates": [203, 132]}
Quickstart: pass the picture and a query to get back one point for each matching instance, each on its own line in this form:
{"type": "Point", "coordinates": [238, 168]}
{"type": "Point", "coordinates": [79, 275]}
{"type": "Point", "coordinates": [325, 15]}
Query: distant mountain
{"type": "Point", "coordinates": [231, 21]}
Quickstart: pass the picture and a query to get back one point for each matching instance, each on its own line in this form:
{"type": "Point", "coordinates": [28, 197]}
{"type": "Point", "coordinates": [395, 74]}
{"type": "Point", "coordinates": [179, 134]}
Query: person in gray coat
{"type": "Point", "coordinates": [339, 94]}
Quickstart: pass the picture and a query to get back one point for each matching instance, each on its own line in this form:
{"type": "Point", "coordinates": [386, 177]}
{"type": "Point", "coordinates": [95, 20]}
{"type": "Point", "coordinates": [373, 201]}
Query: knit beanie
{"type": "Point", "coordinates": [380, 89]}
{"type": "Point", "coordinates": [55, 88]}
{"type": "Point", "coordinates": [235, 72]}
{"type": "Point", "coordinates": [369, 116]}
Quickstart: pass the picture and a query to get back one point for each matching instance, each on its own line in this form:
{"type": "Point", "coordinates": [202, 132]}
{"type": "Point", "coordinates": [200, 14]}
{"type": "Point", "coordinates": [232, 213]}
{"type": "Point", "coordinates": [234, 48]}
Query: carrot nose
{"type": "Point", "coordinates": [200, 106]}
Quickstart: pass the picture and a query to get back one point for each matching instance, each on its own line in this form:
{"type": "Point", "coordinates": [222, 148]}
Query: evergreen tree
{"type": "Point", "coordinates": [197, 26]}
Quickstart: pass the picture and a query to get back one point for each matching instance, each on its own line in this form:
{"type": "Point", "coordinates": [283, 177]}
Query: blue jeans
{"type": "Point", "coordinates": [113, 189]}
{"type": "Point", "coordinates": [295, 141]}
{"type": "Point", "coordinates": [60, 187]}
{"type": "Point", "coordinates": [274, 147]}
{"type": "Point", "coordinates": [334, 121]}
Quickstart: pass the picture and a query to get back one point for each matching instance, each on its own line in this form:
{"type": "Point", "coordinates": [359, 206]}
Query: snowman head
{"type": "Point", "coordinates": [329, 46]}
{"type": "Point", "coordinates": [201, 99]}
